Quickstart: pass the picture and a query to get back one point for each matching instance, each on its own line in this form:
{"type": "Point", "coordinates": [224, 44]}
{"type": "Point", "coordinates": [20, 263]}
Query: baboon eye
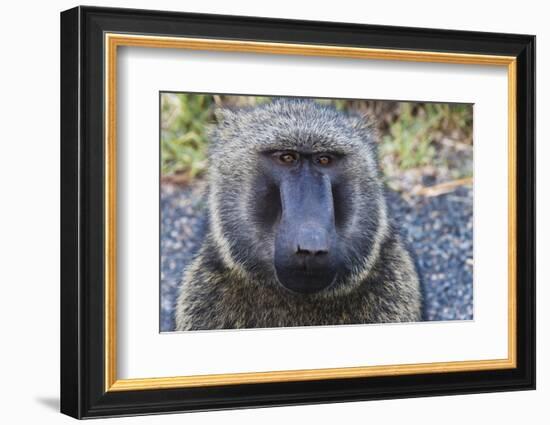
{"type": "Point", "coordinates": [324, 160]}
{"type": "Point", "coordinates": [288, 157]}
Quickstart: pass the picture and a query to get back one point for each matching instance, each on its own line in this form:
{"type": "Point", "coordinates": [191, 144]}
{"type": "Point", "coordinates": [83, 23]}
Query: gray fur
{"type": "Point", "coordinates": [232, 284]}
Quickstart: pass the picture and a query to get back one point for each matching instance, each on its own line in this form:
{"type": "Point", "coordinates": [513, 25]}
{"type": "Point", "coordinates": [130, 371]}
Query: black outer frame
{"type": "Point", "coordinates": [82, 218]}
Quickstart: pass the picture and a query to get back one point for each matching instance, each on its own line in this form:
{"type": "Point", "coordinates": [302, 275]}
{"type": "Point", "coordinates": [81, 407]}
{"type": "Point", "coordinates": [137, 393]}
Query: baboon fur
{"type": "Point", "coordinates": [232, 284]}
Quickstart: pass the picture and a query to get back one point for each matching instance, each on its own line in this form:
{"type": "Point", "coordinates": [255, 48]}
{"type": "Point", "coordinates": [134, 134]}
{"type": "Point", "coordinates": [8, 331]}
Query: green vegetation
{"type": "Point", "coordinates": [183, 133]}
{"type": "Point", "coordinates": [411, 135]}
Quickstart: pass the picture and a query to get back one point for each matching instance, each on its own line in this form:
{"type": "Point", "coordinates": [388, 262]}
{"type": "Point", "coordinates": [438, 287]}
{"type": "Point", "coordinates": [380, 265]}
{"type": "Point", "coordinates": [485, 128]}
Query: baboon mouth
{"type": "Point", "coordinates": [310, 281]}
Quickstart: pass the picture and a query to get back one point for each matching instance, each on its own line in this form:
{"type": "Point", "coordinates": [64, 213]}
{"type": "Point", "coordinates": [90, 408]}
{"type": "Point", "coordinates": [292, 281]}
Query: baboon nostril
{"type": "Point", "coordinates": [302, 251]}
{"type": "Point", "coordinates": [310, 252]}
{"type": "Point", "coordinates": [310, 242]}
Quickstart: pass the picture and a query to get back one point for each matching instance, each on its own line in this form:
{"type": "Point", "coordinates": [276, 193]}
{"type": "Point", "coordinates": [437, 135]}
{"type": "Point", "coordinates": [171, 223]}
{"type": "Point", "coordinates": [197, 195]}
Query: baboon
{"type": "Point", "coordinates": [299, 232]}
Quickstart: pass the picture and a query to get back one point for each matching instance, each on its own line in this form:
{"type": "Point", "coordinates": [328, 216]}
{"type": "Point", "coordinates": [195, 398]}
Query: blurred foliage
{"type": "Point", "coordinates": [183, 133]}
{"type": "Point", "coordinates": [411, 135]}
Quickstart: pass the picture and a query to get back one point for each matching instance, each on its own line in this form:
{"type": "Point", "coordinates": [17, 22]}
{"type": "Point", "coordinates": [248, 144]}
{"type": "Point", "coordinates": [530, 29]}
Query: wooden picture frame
{"type": "Point", "coordinates": [90, 39]}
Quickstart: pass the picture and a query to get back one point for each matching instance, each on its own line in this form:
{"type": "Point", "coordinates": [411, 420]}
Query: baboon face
{"type": "Point", "coordinates": [302, 217]}
{"type": "Point", "coordinates": [297, 198]}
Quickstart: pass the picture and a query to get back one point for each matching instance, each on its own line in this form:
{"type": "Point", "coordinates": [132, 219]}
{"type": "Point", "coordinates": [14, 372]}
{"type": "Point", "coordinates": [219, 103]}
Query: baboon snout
{"type": "Point", "coordinates": [305, 257]}
{"type": "Point", "coordinates": [311, 242]}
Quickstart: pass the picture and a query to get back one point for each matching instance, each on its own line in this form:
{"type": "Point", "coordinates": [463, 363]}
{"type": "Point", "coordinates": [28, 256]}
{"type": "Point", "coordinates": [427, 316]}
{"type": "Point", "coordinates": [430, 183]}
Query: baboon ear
{"type": "Point", "coordinates": [225, 125]}
{"type": "Point", "coordinates": [367, 130]}
{"type": "Point", "coordinates": [365, 125]}
{"type": "Point", "coordinates": [225, 117]}
{"type": "Point", "coordinates": [362, 122]}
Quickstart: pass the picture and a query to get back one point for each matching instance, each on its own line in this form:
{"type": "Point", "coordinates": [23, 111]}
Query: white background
{"type": "Point", "coordinates": [143, 72]}
{"type": "Point", "coordinates": [29, 228]}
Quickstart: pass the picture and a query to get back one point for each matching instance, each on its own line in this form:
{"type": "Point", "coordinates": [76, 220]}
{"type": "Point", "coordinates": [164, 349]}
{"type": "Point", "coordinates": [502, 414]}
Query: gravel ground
{"type": "Point", "coordinates": [439, 232]}
{"type": "Point", "coordinates": [437, 229]}
{"type": "Point", "coordinates": [182, 228]}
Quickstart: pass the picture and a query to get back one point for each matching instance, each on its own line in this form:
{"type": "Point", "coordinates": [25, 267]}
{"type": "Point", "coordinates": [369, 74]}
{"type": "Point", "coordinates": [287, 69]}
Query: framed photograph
{"type": "Point", "coordinates": [261, 212]}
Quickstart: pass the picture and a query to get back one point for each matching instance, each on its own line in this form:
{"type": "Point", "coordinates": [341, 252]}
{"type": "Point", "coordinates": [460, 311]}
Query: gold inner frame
{"type": "Point", "coordinates": [113, 41]}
